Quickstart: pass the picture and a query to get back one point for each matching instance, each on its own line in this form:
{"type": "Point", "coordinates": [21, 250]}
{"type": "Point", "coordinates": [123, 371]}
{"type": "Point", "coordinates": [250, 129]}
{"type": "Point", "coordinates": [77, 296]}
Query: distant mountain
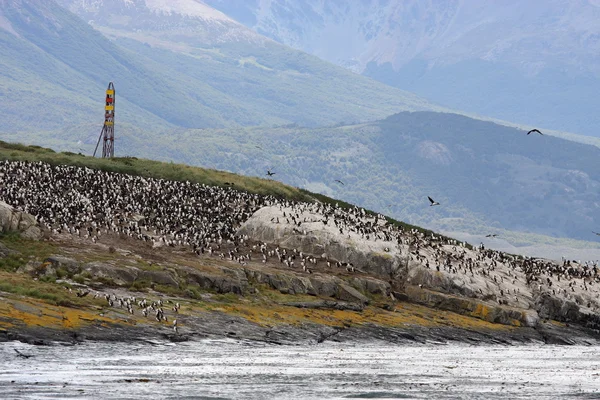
{"type": "Point", "coordinates": [54, 69]}
{"type": "Point", "coordinates": [534, 62]}
{"type": "Point", "coordinates": [174, 64]}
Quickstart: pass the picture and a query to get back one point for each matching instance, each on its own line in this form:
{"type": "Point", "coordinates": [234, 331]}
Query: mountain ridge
{"type": "Point", "coordinates": [213, 83]}
{"type": "Point", "coordinates": [534, 63]}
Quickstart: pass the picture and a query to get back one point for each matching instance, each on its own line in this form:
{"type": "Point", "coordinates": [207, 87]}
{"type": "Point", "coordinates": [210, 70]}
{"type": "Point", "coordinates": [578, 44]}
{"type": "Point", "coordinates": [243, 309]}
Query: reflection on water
{"type": "Point", "coordinates": [241, 370]}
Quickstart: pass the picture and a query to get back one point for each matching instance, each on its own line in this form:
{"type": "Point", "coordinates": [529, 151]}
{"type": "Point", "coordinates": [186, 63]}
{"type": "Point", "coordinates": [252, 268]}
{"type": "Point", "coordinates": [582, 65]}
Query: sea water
{"type": "Point", "coordinates": [225, 369]}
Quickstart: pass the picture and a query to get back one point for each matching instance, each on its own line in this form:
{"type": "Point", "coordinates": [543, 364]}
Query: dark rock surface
{"type": "Point", "coordinates": [217, 324]}
{"type": "Point", "coordinates": [325, 305]}
{"type": "Point", "coordinates": [347, 293]}
{"type": "Point", "coordinates": [119, 275]}
{"type": "Point", "coordinates": [70, 265]}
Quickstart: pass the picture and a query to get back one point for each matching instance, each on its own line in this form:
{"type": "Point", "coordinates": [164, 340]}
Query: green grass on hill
{"type": "Point", "coordinates": [171, 171]}
{"type": "Point", "coordinates": [152, 169]}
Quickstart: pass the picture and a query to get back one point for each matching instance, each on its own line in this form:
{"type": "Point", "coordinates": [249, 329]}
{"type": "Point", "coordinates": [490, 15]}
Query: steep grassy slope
{"type": "Point", "coordinates": [149, 168]}
{"type": "Point", "coordinates": [292, 87]}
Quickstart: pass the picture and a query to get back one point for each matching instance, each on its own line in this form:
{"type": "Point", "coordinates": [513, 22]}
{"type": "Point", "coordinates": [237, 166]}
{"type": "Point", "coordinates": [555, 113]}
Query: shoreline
{"type": "Point", "coordinates": [219, 325]}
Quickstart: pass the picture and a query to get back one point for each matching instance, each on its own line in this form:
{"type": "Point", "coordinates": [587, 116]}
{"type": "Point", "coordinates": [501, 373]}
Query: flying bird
{"type": "Point", "coordinates": [535, 130]}
{"type": "Point", "coordinates": [596, 233]}
{"type": "Point", "coordinates": [433, 202]}
{"type": "Point", "coordinates": [338, 181]}
{"type": "Point", "coordinates": [491, 235]}
{"type": "Point", "coordinates": [258, 147]}
{"type": "Point", "coordinates": [270, 173]}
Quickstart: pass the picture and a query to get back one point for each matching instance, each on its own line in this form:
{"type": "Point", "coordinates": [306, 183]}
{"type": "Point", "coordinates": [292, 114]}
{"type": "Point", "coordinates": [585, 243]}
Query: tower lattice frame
{"type": "Point", "coordinates": [108, 130]}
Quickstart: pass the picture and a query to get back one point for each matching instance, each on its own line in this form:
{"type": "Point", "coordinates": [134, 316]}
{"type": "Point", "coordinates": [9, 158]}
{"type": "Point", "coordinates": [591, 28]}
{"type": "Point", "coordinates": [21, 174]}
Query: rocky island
{"type": "Point", "coordinates": [134, 250]}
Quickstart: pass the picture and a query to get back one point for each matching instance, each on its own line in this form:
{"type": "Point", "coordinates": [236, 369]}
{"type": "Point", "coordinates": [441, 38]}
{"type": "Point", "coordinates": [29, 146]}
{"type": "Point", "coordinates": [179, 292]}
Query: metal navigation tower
{"type": "Point", "coordinates": [108, 130]}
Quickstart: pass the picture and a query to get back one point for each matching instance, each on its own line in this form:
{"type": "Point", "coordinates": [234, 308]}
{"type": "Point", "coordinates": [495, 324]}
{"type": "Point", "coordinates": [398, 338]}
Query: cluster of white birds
{"type": "Point", "coordinates": [89, 203]}
{"type": "Point", "coordinates": [510, 279]}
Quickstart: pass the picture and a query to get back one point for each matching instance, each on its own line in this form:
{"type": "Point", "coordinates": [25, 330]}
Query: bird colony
{"type": "Point", "coordinates": [91, 204]}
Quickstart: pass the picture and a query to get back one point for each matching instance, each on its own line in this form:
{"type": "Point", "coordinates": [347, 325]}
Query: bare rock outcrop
{"type": "Point", "coordinates": [325, 286]}
{"type": "Point", "coordinates": [165, 278]}
{"type": "Point", "coordinates": [380, 258]}
{"type": "Point", "coordinates": [348, 293]}
{"type": "Point", "coordinates": [5, 251]}
{"type": "Point", "coordinates": [371, 285]}
{"type": "Point", "coordinates": [550, 307]}
{"type": "Point", "coordinates": [474, 308]}
{"type": "Point", "coordinates": [326, 305]}
{"type": "Point", "coordinates": [224, 281]}
{"type": "Point", "coordinates": [32, 267]}
{"type": "Point", "coordinates": [68, 264]}
{"type": "Point", "coordinates": [443, 274]}
{"type": "Point", "coordinates": [118, 275]}
{"type": "Point", "coordinates": [12, 220]}
{"type": "Point", "coordinates": [127, 275]}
